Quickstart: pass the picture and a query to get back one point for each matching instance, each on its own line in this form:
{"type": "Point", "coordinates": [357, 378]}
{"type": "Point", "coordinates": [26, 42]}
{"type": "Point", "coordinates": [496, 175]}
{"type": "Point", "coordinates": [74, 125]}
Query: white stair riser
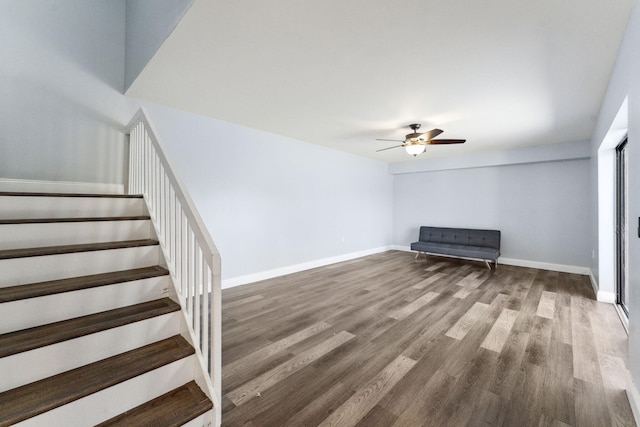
{"type": "Point", "coordinates": [30, 312]}
{"type": "Point", "coordinates": [112, 401]}
{"type": "Point", "coordinates": [29, 366]}
{"type": "Point", "coordinates": [20, 271]}
{"type": "Point", "coordinates": [202, 420]}
{"type": "Point", "coordinates": [18, 236]}
{"type": "Point", "coordinates": [19, 207]}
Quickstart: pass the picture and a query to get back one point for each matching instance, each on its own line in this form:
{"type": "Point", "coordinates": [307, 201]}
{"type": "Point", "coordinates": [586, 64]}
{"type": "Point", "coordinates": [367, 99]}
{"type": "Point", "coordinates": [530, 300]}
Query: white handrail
{"type": "Point", "coordinates": [192, 257]}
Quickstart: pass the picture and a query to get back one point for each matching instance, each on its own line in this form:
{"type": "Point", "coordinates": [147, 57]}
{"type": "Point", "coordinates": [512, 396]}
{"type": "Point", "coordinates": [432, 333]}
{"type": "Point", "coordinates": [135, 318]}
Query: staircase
{"type": "Point", "coordinates": [91, 331]}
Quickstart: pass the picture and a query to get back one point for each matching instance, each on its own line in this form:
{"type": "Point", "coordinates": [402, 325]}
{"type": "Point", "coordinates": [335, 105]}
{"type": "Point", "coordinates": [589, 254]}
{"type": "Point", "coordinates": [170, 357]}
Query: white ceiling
{"type": "Point", "coordinates": [500, 73]}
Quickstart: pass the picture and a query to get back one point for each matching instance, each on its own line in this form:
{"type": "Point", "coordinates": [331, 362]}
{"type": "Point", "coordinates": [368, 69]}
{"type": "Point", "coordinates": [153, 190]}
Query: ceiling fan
{"type": "Point", "coordinates": [415, 143]}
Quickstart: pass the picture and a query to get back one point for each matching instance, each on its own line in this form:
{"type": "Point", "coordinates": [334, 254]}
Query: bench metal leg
{"type": "Point", "coordinates": [417, 255]}
{"type": "Point", "coordinates": [488, 265]}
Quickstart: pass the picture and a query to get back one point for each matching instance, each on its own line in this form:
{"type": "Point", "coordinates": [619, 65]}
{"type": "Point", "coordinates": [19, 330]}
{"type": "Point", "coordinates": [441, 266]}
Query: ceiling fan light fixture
{"type": "Point", "coordinates": [415, 149]}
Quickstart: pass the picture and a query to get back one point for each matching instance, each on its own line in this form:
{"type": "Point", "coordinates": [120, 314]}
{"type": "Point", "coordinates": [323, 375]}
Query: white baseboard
{"type": "Point", "coordinates": [525, 263]}
{"type": "Point", "coordinates": [269, 274]}
{"type": "Point", "coordinates": [33, 186]}
{"type": "Point", "coordinates": [608, 297]}
{"type": "Point", "coordinates": [562, 268]}
{"type": "Point", "coordinates": [634, 398]}
{"type": "Point", "coordinates": [601, 296]}
{"type": "Point", "coordinates": [400, 248]}
{"type": "Point", "coordinates": [594, 283]}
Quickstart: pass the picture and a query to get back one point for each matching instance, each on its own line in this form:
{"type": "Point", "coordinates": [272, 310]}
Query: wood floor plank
{"type": "Point", "coordinates": [539, 341]}
{"type": "Point", "coordinates": [434, 267]}
{"type": "Point", "coordinates": [590, 410]}
{"type": "Point", "coordinates": [319, 407]}
{"type": "Point", "coordinates": [558, 386]}
{"type": "Point", "coordinates": [377, 417]}
{"type": "Point", "coordinates": [426, 405]}
{"type": "Point", "coordinates": [254, 387]}
{"type": "Point", "coordinates": [354, 409]}
{"type": "Point", "coordinates": [619, 408]}
{"type": "Point", "coordinates": [473, 380]}
{"type": "Point", "coordinates": [466, 322]}
{"type": "Point", "coordinates": [505, 377]}
{"type": "Point", "coordinates": [547, 305]}
{"type": "Point", "coordinates": [608, 336]}
{"type": "Point", "coordinates": [525, 403]}
{"type": "Point", "coordinates": [614, 372]}
{"type": "Point", "coordinates": [243, 301]}
{"type": "Point", "coordinates": [462, 293]}
{"type": "Point", "coordinates": [488, 411]}
{"type": "Point", "coordinates": [428, 281]}
{"type": "Point", "coordinates": [414, 306]}
{"type": "Point", "coordinates": [249, 361]}
{"type": "Point", "coordinates": [472, 280]}
{"type": "Point", "coordinates": [562, 319]}
{"type": "Point", "coordinates": [500, 331]}
{"type": "Point", "coordinates": [586, 365]}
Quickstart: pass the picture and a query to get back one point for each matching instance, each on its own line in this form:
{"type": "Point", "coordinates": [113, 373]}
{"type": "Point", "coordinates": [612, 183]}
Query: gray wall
{"type": "Point", "coordinates": [540, 208]}
{"type": "Point", "coordinates": [624, 82]}
{"type": "Point", "coordinates": [61, 82]}
{"type": "Point", "coordinates": [272, 202]}
{"type": "Point", "coordinates": [149, 23]}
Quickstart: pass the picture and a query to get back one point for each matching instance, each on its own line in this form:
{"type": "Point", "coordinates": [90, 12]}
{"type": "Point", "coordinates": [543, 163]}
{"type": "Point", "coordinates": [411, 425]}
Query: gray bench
{"type": "Point", "coordinates": [459, 242]}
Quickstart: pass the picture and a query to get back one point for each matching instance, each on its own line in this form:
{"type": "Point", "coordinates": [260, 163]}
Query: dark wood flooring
{"type": "Point", "coordinates": [388, 341]}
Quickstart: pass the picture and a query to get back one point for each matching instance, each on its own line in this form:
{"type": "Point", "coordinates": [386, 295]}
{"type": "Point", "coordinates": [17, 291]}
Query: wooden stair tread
{"type": "Point", "coordinates": [83, 219]}
{"type": "Point", "coordinates": [27, 194]}
{"type": "Point", "coordinates": [174, 408]}
{"type": "Point", "coordinates": [66, 249]}
{"type": "Point", "coordinates": [15, 293]}
{"type": "Point", "coordinates": [40, 336]}
{"type": "Point", "coordinates": [32, 399]}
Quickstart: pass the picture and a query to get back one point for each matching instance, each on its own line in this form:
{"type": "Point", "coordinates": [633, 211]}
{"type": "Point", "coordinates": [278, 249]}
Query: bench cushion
{"type": "Point", "coordinates": [461, 236]}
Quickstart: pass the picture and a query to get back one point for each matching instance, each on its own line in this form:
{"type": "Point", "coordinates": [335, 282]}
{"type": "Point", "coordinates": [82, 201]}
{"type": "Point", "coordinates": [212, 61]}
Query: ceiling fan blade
{"type": "Point", "coordinates": [392, 140]}
{"type": "Point", "coordinates": [446, 141]}
{"type": "Point", "coordinates": [431, 134]}
{"type": "Point", "coordinates": [389, 148]}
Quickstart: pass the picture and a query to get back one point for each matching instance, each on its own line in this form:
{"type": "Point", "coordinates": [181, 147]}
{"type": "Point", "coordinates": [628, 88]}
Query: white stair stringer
{"type": "Point", "coordinates": [29, 235]}
{"type": "Point", "coordinates": [40, 206]}
{"type": "Point", "coordinates": [107, 403]}
{"type": "Point", "coordinates": [20, 271]}
{"type": "Point", "coordinates": [26, 367]}
{"type": "Point", "coordinates": [67, 305]}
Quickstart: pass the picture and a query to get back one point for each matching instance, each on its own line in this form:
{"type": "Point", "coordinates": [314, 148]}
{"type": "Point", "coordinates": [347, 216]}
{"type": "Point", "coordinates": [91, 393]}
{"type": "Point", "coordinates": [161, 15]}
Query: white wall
{"type": "Point", "coordinates": [272, 202]}
{"type": "Point", "coordinates": [61, 103]}
{"type": "Point", "coordinates": [148, 24]}
{"type": "Point", "coordinates": [542, 209]}
{"type": "Point", "coordinates": [624, 83]}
